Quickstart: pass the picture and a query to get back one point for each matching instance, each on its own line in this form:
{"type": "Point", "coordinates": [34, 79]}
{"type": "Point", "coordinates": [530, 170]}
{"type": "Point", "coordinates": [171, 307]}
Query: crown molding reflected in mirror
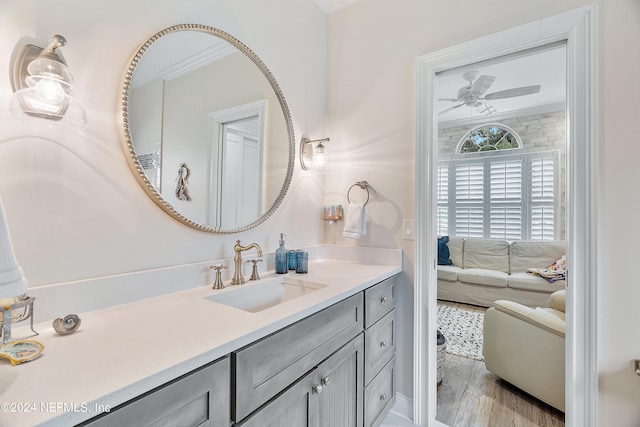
{"type": "Point", "coordinates": [196, 99]}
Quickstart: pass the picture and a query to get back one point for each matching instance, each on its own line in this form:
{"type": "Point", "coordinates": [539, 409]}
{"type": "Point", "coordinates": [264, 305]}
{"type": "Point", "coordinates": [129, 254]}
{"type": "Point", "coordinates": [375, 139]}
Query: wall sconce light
{"type": "Point", "coordinates": [318, 157]}
{"type": "Point", "coordinates": [43, 85]}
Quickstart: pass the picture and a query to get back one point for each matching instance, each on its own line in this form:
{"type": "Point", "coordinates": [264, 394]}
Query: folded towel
{"type": "Point", "coordinates": [354, 223]}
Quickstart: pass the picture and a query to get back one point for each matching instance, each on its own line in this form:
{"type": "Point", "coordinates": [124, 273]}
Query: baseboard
{"type": "Point", "coordinates": [403, 407]}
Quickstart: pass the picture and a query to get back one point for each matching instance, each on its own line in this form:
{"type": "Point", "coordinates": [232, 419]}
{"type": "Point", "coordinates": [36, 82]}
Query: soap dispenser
{"type": "Point", "coordinates": [282, 265]}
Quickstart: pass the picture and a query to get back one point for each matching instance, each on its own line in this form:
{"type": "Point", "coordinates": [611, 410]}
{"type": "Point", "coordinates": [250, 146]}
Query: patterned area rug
{"type": "Point", "coordinates": [463, 331]}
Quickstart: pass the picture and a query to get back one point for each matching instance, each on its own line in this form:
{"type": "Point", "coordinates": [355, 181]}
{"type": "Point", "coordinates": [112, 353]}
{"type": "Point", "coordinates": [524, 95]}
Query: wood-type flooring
{"type": "Point", "coordinates": [471, 396]}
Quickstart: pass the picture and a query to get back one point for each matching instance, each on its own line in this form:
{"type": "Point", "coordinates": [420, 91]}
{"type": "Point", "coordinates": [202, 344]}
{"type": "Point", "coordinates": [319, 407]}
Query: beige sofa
{"type": "Point", "coordinates": [485, 270]}
{"type": "Point", "coordinates": [525, 347]}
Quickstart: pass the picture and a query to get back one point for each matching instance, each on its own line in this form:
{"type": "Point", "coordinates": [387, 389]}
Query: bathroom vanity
{"type": "Point", "coordinates": [323, 357]}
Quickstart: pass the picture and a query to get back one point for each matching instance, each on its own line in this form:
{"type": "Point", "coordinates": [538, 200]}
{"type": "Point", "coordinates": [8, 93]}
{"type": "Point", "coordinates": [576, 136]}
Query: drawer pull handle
{"type": "Point", "coordinates": [325, 380]}
{"type": "Point", "coordinates": [317, 389]}
{"type": "Point", "coordinates": [383, 300]}
{"type": "Point", "coordinates": [383, 344]}
{"type": "Point", "coordinates": [383, 396]}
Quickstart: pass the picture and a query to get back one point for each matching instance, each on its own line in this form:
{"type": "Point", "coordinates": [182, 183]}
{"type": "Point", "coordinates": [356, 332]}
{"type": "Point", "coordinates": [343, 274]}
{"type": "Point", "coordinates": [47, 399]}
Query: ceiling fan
{"type": "Point", "coordinates": [472, 95]}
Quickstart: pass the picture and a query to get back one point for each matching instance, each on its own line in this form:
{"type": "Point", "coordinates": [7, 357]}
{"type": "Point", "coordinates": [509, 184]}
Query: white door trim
{"type": "Point", "coordinates": [217, 120]}
{"type": "Point", "coordinates": [579, 29]}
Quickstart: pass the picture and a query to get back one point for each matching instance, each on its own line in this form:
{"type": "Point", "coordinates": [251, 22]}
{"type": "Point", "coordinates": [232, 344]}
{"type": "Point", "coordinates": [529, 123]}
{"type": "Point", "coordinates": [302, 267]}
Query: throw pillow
{"type": "Point", "coordinates": [443, 251]}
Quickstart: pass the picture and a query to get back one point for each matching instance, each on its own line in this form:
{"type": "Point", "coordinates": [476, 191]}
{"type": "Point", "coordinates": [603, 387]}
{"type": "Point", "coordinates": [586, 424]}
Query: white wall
{"type": "Point", "coordinates": [74, 209]}
{"type": "Point", "coordinates": [371, 120]}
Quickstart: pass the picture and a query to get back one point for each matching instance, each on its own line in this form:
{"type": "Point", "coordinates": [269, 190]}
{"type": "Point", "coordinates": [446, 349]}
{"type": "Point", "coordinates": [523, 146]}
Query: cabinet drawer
{"type": "Point", "coordinates": [330, 395]}
{"type": "Point", "coordinates": [380, 395]}
{"type": "Point", "coordinates": [200, 398]}
{"type": "Point", "coordinates": [379, 300]}
{"type": "Point", "coordinates": [380, 344]}
{"type": "Point", "coordinates": [268, 366]}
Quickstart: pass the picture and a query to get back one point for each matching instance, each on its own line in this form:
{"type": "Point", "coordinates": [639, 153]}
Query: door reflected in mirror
{"type": "Point", "coordinates": [196, 96]}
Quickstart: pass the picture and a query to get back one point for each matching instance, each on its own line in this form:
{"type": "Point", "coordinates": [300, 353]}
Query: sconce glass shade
{"type": "Point", "coordinates": [319, 159]}
{"type": "Point", "coordinates": [12, 282]}
{"type": "Point", "coordinates": [43, 86]}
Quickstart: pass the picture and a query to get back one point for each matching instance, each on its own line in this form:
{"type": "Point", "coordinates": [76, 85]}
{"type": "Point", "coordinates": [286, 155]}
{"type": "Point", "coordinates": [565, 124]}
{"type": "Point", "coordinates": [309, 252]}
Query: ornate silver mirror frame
{"type": "Point", "coordinates": [129, 147]}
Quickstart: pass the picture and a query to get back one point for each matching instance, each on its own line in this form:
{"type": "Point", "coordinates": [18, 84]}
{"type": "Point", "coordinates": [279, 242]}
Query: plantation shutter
{"type": "Point", "coordinates": [442, 219]}
{"type": "Point", "coordinates": [469, 202]}
{"type": "Point", "coordinates": [543, 197]}
{"type": "Point", "coordinates": [505, 189]}
{"type": "Point", "coordinates": [511, 197]}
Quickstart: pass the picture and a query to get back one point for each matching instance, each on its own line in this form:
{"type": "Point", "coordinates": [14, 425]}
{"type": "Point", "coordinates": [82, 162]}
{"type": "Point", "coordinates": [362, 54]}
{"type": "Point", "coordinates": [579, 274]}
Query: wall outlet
{"type": "Point", "coordinates": [407, 229]}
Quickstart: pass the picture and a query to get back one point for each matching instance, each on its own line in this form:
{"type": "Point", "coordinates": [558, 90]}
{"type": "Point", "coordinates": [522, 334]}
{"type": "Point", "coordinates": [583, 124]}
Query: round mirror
{"type": "Point", "coordinates": [206, 129]}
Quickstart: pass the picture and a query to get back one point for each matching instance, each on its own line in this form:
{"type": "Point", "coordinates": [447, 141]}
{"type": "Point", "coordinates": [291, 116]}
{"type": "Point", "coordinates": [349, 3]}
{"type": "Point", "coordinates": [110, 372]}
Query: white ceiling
{"type": "Point", "coordinates": [545, 67]}
{"type": "Point", "coordinates": [332, 5]}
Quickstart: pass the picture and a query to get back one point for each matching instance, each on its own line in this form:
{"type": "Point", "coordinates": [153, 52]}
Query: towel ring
{"type": "Point", "coordinates": [363, 185]}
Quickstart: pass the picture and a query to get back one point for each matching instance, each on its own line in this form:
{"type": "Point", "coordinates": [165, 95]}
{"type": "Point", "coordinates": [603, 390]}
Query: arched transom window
{"type": "Point", "coordinates": [489, 137]}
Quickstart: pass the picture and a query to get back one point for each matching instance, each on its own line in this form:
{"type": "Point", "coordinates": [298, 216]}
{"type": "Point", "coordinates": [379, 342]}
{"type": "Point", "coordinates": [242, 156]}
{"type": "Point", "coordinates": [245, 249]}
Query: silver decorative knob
{"type": "Point", "coordinates": [217, 284]}
{"type": "Point", "coordinates": [383, 344]}
{"type": "Point", "coordinates": [383, 396]}
{"type": "Point", "coordinates": [317, 389]}
{"type": "Point", "coordinates": [325, 380]}
{"type": "Point", "coordinates": [383, 300]}
{"type": "Point", "coordinates": [254, 270]}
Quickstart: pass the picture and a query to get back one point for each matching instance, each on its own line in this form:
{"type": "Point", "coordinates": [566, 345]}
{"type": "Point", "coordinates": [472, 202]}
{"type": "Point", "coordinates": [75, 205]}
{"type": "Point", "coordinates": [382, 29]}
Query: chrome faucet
{"type": "Point", "coordinates": [237, 260]}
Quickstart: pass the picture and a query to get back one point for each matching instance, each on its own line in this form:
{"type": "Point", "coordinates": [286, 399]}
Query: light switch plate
{"type": "Point", "coordinates": [407, 229]}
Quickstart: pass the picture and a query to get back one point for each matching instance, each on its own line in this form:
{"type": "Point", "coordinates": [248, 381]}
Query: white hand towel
{"type": "Point", "coordinates": [354, 223]}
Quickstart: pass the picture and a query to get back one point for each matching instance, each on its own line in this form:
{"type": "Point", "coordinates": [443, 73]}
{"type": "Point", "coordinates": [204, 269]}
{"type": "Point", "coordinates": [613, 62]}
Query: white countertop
{"type": "Point", "coordinates": [123, 351]}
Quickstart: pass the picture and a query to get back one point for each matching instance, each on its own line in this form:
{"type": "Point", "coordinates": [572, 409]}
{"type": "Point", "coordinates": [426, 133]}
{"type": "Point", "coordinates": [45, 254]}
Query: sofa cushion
{"type": "Point", "coordinates": [486, 254]}
{"type": "Point", "coordinates": [448, 272]}
{"type": "Point", "coordinates": [530, 282]}
{"type": "Point", "coordinates": [526, 255]}
{"type": "Point", "coordinates": [481, 276]}
{"type": "Point", "coordinates": [456, 245]}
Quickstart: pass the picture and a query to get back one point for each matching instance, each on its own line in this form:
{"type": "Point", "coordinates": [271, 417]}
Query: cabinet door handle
{"type": "Point", "coordinates": [325, 380]}
{"type": "Point", "coordinates": [383, 300]}
{"type": "Point", "coordinates": [383, 396]}
{"type": "Point", "coordinates": [383, 344]}
{"type": "Point", "coordinates": [317, 389]}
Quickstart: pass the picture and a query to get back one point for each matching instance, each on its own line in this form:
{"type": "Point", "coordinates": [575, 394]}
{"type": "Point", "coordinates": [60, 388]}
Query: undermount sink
{"type": "Point", "coordinates": [259, 296]}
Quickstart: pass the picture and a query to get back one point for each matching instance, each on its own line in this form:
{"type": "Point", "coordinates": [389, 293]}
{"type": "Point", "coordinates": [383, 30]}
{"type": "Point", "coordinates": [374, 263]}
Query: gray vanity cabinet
{"type": "Point", "coordinates": [380, 350]}
{"type": "Point", "coordinates": [331, 395]}
{"type": "Point", "coordinates": [267, 367]}
{"type": "Point", "coordinates": [315, 373]}
{"type": "Point", "coordinates": [200, 398]}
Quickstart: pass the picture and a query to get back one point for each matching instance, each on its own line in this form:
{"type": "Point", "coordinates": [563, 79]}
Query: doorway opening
{"type": "Point", "coordinates": [500, 209]}
{"type": "Point", "coordinates": [578, 30]}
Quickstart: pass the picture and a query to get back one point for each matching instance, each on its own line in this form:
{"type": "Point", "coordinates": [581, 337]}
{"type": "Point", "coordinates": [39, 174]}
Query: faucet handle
{"type": "Point", "coordinates": [254, 270]}
{"type": "Point", "coordinates": [217, 284]}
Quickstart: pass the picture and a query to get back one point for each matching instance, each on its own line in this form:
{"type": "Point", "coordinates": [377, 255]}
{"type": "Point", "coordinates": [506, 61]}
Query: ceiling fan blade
{"type": "Point", "coordinates": [451, 108]}
{"type": "Point", "coordinates": [510, 93]}
{"type": "Point", "coordinates": [449, 99]}
{"type": "Point", "coordinates": [481, 84]}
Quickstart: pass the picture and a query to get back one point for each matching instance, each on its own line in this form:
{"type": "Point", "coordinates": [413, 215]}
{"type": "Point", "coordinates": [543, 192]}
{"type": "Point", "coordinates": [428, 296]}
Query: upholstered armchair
{"type": "Point", "coordinates": [525, 347]}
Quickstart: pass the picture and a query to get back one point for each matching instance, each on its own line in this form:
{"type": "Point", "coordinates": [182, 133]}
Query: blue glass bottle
{"type": "Point", "coordinates": [281, 257]}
